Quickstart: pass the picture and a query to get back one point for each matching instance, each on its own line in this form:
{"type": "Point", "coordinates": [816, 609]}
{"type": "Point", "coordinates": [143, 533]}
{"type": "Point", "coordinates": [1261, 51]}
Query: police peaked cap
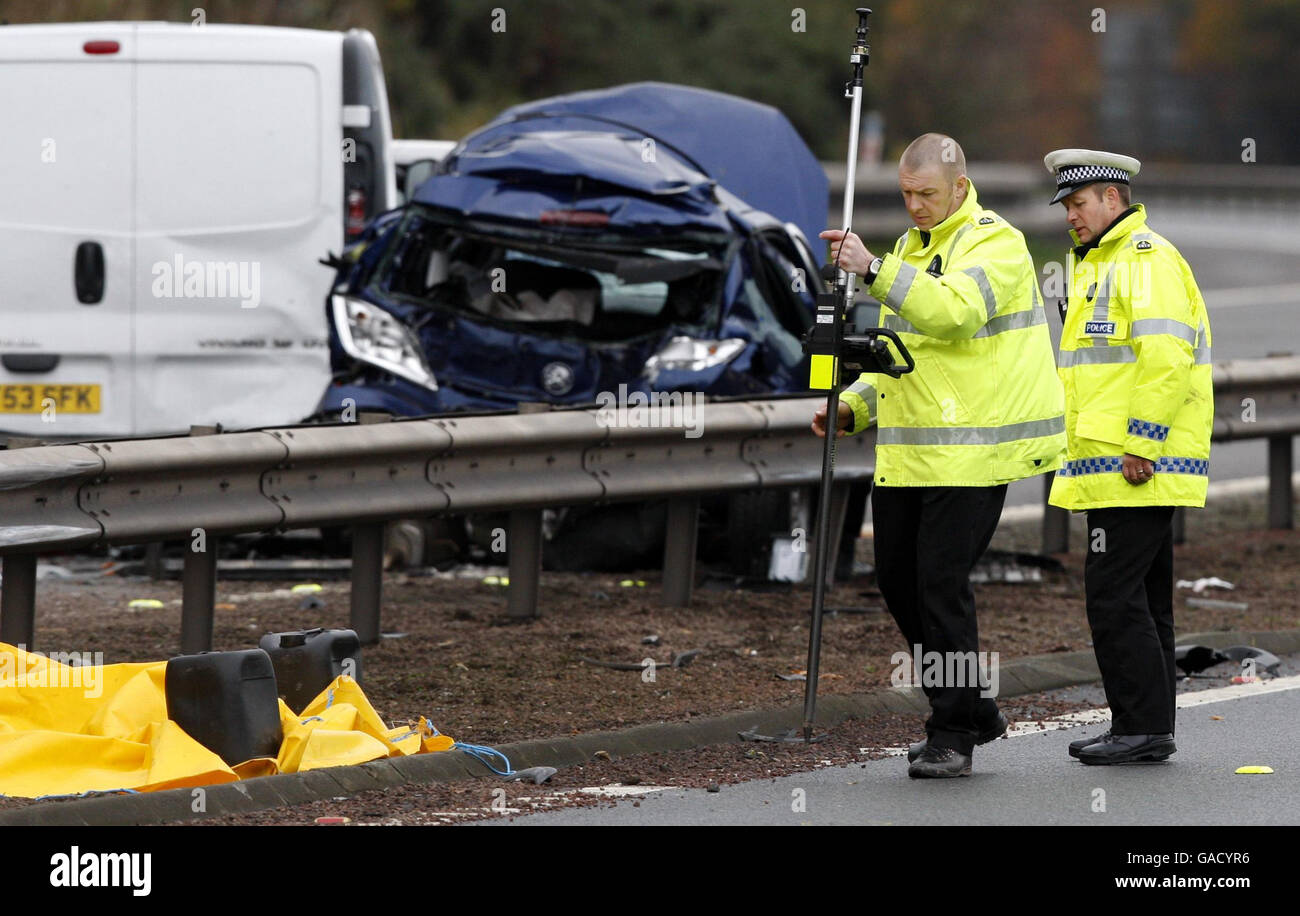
{"type": "Point", "coordinates": [1077, 168]}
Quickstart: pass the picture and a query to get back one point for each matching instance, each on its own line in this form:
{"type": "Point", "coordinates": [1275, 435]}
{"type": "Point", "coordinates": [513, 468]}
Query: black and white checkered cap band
{"type": "Point", "coordinates": [1082, 174]}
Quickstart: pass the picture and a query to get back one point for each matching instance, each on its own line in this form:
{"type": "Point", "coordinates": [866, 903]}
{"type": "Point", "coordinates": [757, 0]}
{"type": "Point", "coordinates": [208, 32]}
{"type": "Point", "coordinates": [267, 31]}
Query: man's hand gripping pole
{"type": "Point", "coordinates": [833, 356]}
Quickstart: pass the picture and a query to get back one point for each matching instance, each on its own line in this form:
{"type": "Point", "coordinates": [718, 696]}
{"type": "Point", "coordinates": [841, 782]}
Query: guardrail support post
{"type": "Point", "coordinates": [198, 595]}
{"type": "Point", "coordinates": [367, 580]}
{"type": "Point", "coordinates": [18, 600]}
{"type": "Point", "coordinates": [839, 508]}
{"type": "Point", "coordinates": [679, 550]}
{"type": "Point", "coordinates": [1056, 521]}
{"type": "Point", "coordinates": [1281, 465]}
{"type": "Point", "coordinates": [153, 560]}
{"type": "Point", "coordinates": [524, 545]}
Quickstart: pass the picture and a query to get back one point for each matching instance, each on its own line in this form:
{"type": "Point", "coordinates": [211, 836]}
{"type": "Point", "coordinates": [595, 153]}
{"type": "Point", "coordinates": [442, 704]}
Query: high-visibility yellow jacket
{"type": "Point", "coordinates": [1135, 363]}
{"type": "Point", "coordinates": [983, 406]}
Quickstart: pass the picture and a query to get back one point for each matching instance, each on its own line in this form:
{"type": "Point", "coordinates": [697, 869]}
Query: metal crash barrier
{"type": "Point", "coordinates": [198, 488]}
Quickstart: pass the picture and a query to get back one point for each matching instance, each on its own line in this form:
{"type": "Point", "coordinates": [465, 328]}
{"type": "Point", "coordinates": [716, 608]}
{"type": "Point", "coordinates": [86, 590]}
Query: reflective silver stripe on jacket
{"type": "Point", "coordinates": [898, 323]}
{"type": "Point", "coordinates": [1202, 352]}
{"type": "Point", "coordinates": [970, 435]}
{"type": "Point", "coordinates": [902, 283]}
{"type": "Point", "coordinates": [947, 259]}
{"type": "Point", "coordinates": [1097, 355]}
{"type": "Point", "coordinates": [1145, 326]}
{"type": "Point", "coordinates": [986, 290]}
{"type": "Point", "coordinates": [1013, 322]}
{"type": "Point", "coordinates": [996, 325]}
{"type": "Point", "coordinates": [860, 388]}
{"type": "Point", "coordinates": [1101, 308]}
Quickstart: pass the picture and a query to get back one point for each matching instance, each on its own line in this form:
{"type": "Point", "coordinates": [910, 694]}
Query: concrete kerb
{"type": "Point", "coordinates": [1024, 675]}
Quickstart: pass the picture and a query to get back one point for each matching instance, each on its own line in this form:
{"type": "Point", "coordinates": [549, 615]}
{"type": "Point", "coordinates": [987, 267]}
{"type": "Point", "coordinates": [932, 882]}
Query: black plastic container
{"type": "Point", "coordinates": [226, 701]}
{"type": "Point", "coordinates": [307, 661]}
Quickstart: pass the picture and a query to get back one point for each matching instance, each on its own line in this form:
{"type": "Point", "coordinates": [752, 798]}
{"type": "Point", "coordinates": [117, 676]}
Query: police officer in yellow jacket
{"type": "Point", "coordinates": [1135, 363]}
{"type": "Point", "coordinates": [982, 408]}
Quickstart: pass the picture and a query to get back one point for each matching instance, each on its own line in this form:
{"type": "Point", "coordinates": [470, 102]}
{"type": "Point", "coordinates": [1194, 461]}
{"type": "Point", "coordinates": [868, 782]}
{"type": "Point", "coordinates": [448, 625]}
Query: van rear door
{"type": "Point", "coordinates": [66, 220]}
{"type": "Point", "coordinates": [370, 185]}
{"type": "Point", "coordinates": [238, 130]}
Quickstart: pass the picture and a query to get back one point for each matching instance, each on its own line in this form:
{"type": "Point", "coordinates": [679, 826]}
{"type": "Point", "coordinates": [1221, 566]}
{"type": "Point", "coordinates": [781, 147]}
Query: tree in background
{"type": "Point", "coordinates": [1242, 58]}
{"type": "Point", "coordinates": [1010, 78]}
{"type": "Point", "coordinates": [550, 47]}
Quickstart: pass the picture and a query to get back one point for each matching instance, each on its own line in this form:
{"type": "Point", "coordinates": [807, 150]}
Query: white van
{"type": "Point", "coordinates": [414, 161]}
{"type": "Point", "coordinates": [169, 189]}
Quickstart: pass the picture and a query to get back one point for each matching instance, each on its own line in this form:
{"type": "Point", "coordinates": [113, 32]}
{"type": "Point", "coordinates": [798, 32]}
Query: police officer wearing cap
{"type": "Point", "coordinates": [1135, 364]}
{"type": "Point", "coordinates": [982, 408]}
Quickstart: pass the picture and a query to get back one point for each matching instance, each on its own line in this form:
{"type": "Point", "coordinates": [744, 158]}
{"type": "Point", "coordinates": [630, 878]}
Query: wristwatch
{"type": "Point", "coordinates": [872, 270]}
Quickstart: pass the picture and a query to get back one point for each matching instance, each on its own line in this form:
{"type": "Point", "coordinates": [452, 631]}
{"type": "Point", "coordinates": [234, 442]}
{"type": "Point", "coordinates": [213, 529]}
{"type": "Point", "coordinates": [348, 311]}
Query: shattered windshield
{"type": "Point", "coordinates": [597, 286]}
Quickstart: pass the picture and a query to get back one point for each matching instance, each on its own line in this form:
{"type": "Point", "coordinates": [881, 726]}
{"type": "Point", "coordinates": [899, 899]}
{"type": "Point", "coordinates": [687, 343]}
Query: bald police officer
{"type": "Point", "coordinates": [1135, 364]}
{"type": "Point", "coordinates": [982, 408]}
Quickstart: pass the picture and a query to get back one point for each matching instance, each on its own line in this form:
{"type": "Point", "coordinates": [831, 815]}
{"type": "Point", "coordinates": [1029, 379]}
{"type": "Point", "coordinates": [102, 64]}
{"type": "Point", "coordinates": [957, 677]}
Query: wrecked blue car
{"type": "Point", "coordinates": [650, 236]}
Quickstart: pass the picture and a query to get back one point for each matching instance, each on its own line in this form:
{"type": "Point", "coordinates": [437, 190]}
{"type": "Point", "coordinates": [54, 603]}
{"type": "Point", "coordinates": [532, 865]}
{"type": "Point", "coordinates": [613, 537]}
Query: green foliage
{"type": "Point", "coordinates": [1009, 78]}
{"type": "Point", "coordinates": [549, 47]}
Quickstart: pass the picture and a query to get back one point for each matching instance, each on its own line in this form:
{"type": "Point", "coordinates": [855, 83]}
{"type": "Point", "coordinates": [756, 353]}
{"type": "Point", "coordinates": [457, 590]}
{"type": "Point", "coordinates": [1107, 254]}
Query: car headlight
{"type": "Point", "coordinates": [693, 355]}
{"type": "Point", "coordinates": [374, 336]}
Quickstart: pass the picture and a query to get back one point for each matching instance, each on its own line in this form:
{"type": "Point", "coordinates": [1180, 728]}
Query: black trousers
{"type": "Point", "coordinates": [1129, 580]}
{"type": "Point", "coordinates": [927, 540]}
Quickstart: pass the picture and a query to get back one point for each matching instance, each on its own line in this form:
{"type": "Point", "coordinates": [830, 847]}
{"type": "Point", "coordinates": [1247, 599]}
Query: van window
{"type": "Point", "coordinates": [227, 145]}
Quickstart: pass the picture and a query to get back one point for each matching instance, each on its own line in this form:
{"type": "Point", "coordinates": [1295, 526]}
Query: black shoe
{"type": "Point", "coordinates": [992, 733]}
{"type": "Point", "coordinates": [1076, 746]}
{"type": "Point", "coordinates": [1128, 749]}
{"type": "Point", "coordinates": [939, 763]}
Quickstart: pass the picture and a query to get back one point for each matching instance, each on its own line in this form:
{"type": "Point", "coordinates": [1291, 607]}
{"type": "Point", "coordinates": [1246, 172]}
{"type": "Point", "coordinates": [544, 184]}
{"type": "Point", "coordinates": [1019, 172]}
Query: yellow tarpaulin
{"type": "Point", "coordinates": [70, 729]}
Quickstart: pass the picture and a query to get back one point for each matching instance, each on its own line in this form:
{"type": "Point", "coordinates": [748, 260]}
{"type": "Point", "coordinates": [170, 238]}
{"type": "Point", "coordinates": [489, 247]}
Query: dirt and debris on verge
{"type": "Point", "coordinates": [480, 678]}
{"type": "Point", "coordinates": [485, 680]}
{"type": "Point", "coordinates": [607, 780]}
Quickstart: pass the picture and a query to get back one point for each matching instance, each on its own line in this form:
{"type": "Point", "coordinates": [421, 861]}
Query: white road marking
{"type": "Point", "coordinates": [1238, 691]}
{"type": "Point", "coordinates": [621, 791]}
{"type": "Point", "coordinates": [1071, 720]}
{"type": "Point", "coordinates": [1102, 714]}
{"type": "Point", "coordinates": [559, 798]}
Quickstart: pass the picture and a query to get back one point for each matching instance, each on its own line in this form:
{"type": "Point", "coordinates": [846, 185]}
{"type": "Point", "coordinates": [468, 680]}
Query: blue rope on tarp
{"type": "Point", "coordinates": [416, 731]}
{"type": "Point", "coordinates": [329, 701]}
{"type": "Point", "coordinates": [484, 755]}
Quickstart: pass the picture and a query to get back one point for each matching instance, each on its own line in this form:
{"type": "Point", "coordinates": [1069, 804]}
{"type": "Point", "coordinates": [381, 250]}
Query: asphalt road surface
{"type": "Point", "coordinates": [1029, 779]}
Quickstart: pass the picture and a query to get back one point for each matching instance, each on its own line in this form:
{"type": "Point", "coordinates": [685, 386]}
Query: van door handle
{"type": "Point", "coordinates": [30, 362]}
{"type": "Point", "coordinates": [88, 273]}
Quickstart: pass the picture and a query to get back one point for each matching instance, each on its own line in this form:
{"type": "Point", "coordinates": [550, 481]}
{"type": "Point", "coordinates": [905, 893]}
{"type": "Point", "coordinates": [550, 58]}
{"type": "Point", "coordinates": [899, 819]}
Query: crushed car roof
{"type": "Point", "coordinates": [523, 176]}
{"type": "Point", "coordinates": [750, 149]}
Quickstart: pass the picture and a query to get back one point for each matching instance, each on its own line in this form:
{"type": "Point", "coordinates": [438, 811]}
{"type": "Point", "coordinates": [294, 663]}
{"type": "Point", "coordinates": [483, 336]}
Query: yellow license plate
{"type": "Point", "coordinates": [58, 398]}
